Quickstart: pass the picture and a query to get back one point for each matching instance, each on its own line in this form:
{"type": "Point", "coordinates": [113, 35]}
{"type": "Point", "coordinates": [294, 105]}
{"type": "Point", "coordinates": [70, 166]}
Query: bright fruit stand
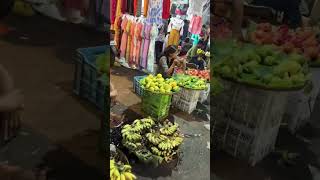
{"type": "Point", "coordinates": [154, 140]}
{"type": "Point", "coordinates": [270, 79]}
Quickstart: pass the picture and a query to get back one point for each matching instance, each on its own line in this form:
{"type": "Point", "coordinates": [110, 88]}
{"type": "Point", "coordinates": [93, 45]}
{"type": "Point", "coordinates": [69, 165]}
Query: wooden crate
{"type": "Point", "coordinates": [10, 124]}
{"type": "Point", "coordinates": [247, 120]}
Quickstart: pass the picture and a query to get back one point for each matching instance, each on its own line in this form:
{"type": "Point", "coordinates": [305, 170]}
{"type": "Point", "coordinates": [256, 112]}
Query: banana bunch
{"type": "Point", "coordinates": [131, 145]}
{"type": "Point", "coordinates": [166, 145]}
{"type": "Point", "coordinates": [156, 151]}
{"type": "Point", "coordinates": [169, 130]}
{"type": "Point", "coordinates": [176, 141]}
{"type": "Point", "coordinates": [119, 171]}
{"type": "Point", "coordinates": [155, 138]}
{"type": "Point", "coordinates": [130, 134]}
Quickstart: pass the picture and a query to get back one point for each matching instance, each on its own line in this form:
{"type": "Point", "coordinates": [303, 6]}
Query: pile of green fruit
{"type": "Point", "coordinates": [152, 142]}
{"type": "Point", "coordinates": [263, 66]}
{"type": "Point", "coordinates": [191, 82]}
{"type": "Point", "coordinates": [158, 84]}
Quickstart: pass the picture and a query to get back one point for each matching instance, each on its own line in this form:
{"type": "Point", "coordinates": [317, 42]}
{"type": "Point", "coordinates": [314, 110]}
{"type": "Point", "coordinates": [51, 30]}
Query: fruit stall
{"type": "Point", "coordinates": [154, 140]}
{"type": "Point", "coordinates": [270, 78]}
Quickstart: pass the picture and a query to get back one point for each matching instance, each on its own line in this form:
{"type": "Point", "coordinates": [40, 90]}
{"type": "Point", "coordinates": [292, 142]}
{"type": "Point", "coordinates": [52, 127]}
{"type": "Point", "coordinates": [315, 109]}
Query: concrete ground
{"type": "Point", "coordinates": [59, 129]}
{"type": "Point", "coordinates": [194, 163]}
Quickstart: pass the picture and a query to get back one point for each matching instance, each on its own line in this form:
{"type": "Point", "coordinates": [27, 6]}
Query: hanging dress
{"type": "Point", "coordinates": [128, 28]}
{"type": "Point", "coordinates": [145, 7]}
{"type": "Point", "coordinates": [151, 54]}
{"type": "Point", "coordinates": [146, 43]}
{"type": "Point", "coordinates": [132, 33]}
{"type": "Point", "coordinates": [117, 24]}
{"type": "Point", "coordinates": [124, 38]}
{"type": "Point", "coordinates": [166, 9]}
{"type": "Point", "coordinates": [136, 55]}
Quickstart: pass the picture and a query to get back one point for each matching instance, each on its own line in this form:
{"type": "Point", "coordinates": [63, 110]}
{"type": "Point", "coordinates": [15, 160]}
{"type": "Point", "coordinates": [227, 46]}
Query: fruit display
{"type": "Point", "coordinates": [203, 74]}
{"type": "Point", "coordinates": [158, 84]}
{"type": "Point", "coordinates": [152, 142]}
{"type": "Point", "coordinates": [120, 171]}
{"type": "Point", "coordinates": [191, 82]}
{"type": "Point", "coordinates": [263, 66]}
{"type": "Point", "coordinates": [301, 41]}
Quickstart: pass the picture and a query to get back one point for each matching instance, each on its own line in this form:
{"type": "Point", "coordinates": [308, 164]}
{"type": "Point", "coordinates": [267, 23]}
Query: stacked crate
{"type": "Point", "coordinates": [247, 120]}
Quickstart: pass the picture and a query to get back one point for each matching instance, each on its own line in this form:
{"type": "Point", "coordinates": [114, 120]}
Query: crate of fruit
{"type": "Point", "coordinates": [137, 86]}
{"type": "Point", "coordinates": [157, 95]}
{"type": "Point", "coordinates": [187, 98]}
{"type": "Point", "coordinates": [91, 75]}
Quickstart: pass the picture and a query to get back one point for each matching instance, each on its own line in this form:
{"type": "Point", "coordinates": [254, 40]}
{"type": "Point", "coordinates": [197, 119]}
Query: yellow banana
{"type": "Point", "coordinates": [122, 177]}
{"type": "Point", "coordinates": [116, 173]}
{"type": "Point", "coordinates": [129, 176]}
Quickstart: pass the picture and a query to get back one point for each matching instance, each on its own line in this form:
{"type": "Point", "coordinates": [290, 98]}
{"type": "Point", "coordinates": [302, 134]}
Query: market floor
{"type": "Point", "coordinates": [59, 128]}
{"type": "Point", "coordinates": [194, 163]}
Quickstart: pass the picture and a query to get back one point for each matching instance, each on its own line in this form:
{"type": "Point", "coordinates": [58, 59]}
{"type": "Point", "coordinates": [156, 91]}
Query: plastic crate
{"type": "Point", "coordinates": [86, 82]}
{"type": "Point", "coordinates": [136, 85]}
{"type": "Point", "coordinates": [156, 105]}
{"type": "Point", "coordinates": [186, 100]}
{"type": "Point", "coordinates": [10, 125]}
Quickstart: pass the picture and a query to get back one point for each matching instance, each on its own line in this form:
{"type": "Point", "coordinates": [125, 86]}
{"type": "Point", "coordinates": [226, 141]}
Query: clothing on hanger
{"type": "Point", "coordinates": [155, 12]}
{"type": "Point", "coordinates": [166, 9]}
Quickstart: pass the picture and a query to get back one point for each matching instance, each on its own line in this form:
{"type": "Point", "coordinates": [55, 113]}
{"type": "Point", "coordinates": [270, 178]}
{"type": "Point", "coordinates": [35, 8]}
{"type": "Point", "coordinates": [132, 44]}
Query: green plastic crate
{"type": "Point", "coordinates": [156, 105]}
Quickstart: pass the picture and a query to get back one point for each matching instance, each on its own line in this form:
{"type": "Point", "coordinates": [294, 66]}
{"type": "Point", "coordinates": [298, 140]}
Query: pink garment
{"type": "Point", "coordinates": [132, 33]}
{"type": "Point", "coordinates": [146, 43]}
{"type": "Point", "coordinates": [124, 38]}
{"type": "Point", "coordinates": [136, 53]}
{"type": "Point", "coordinates": [195, 26]}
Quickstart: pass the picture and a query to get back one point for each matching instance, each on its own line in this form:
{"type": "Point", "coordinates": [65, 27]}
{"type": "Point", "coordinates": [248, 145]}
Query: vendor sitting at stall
{"type": "Point", "coordinates": [169, 61]}
{"type": "Point", "coordinates": [193, 51]}
{"type": "Point", "coordinates": [199, 60]}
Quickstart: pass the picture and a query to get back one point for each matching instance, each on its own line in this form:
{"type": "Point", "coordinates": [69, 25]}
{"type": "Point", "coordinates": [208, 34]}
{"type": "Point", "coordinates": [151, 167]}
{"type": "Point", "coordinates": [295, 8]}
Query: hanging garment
{"type": "Point", "coordinates": [174, 37]}
{"type": "Point", "coordinates": [175, 29]}
{"type": "Point", "coordinates": [124, 6]}
{"type": "Point", "coordinates": [137, 46]}
{"type": "Point", "coordinates": [195, 26]}
{"type": "Point", "coordinates": [196, 7]}
{"type": "Point", "coordinates": [166, 9]}
{"type": "Point", "coordinates": [117, 24]}
{"type": "Point", "coordinates": [165, 43]}
{"type": "Point", "coordinates": [128, 29]}
{"type": "Point", "coordinates": [130, 7]}
{"type": "Point", "coordinates": [124, 38]}
{"type": "Point", "coordinates": [151, 53]}
{"type": "Point", "coordinates": [113, 9]}
{"type": "Point", "coordinates": [146, 44]}
{"type": "Point", "coordinates": [133, 39]}
{"type": "Point", "coordinates": [155, 12]}
{"type": "Point", "coordinates": [138, 9]}
{"type": "Point", "coordinates": [145, 7]}
{"type": "Point", "coordinates": [195, 38]}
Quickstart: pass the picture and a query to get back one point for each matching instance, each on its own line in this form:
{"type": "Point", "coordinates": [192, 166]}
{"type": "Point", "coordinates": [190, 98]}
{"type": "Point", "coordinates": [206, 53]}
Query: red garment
{"type": "Point", "coordinates": [73, 4]}
{"type": "Point", "coordinates": [113, 9]}
{"type": "Point", "coordinates": [123, 6]}
{"type": "Point", "coordinates": [135, 3]}
{"type": "Point", "coordinates": [166, 9]}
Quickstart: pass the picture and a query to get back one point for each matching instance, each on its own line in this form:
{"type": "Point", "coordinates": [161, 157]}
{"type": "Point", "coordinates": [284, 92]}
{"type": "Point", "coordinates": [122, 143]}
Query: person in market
{"type": "Point", "coordinates": [185, 47]}
{"type": "Point", "coordinates": [199, 60]}
{"type": "Point", "coordinates": [169, 61]}
{"type": "Point", "coordinates": [193, 51]}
